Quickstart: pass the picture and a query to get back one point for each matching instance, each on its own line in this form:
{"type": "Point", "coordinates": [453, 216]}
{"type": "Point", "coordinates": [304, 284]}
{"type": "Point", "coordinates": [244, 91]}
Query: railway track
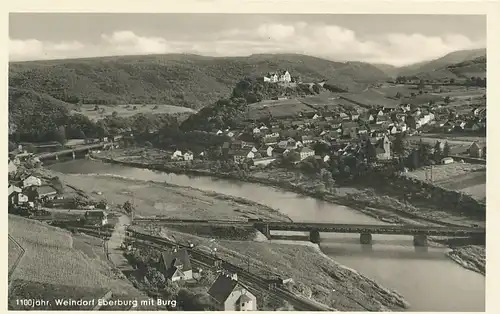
{"type": "Point", "coordinates": [249, 279]}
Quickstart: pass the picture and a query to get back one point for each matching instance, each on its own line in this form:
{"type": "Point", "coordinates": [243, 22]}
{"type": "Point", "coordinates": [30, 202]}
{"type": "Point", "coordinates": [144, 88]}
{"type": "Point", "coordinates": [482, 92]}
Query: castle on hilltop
{"type": "Point", "coordinates": [278, 77]}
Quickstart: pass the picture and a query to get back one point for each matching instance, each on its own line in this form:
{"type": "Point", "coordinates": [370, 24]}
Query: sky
{"type": "Point", "coordinates": [390, 39]}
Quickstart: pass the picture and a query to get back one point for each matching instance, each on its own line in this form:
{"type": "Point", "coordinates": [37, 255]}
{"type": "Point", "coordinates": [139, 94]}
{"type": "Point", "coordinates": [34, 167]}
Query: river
{"type": "Point", "coordinates": [426, 278]}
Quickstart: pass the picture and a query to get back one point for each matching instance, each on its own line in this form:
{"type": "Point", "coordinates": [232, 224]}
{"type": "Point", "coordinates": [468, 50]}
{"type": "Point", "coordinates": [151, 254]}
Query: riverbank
{"type": "Point", "coordinates": [472, 257]}
{"type": "Point", "coordinates": [365, 200]}
{"type": "Point", "coordinates": [168, 200]}
{"type": "Point", "coordinates": [382, 207]}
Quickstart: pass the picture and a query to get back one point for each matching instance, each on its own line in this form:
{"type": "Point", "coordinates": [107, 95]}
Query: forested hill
{"type": "Point", "coordinates": [177, 79]}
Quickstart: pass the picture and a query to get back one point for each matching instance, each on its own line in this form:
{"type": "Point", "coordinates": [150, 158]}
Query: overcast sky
{"type": "Point", "coordinates": [391, 39]}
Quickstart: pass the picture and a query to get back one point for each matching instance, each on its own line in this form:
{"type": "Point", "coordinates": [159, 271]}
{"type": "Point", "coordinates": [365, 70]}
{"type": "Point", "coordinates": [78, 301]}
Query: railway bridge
{"type": "Point", "coordinates": [419, 233]}
{"type": "Point", "coordinates": [73, 151]}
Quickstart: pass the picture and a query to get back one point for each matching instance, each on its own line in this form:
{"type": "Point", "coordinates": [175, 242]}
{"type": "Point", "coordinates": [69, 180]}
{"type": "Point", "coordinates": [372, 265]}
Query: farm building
{"type": "Point", "coordinates": [477, 150]}
{"type": "Point", "coordinates": [176, 265]}
{"type": "Point", "coordinates": [230, 295]}
{"type": "Point", "coordinates": [16, 196]}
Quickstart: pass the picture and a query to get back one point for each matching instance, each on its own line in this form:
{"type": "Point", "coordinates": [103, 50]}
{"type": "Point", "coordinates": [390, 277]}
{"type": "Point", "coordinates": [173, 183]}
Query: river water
{"type": "Point", "coordinates": [426, 278]}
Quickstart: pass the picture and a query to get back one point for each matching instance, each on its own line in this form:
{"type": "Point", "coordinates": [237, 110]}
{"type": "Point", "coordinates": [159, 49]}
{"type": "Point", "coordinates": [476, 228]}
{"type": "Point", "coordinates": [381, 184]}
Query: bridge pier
{"type": "Point", "coordinates": [420, 240]}
{"type": "Point", "coordinates": [265, 231]}
{"type": "Point", "coordinates": [73, 155]}
{"type": "Point", "coordinates": [57, 157]}
{"type": "Point", "coordinates": [314, 236]}
{"type": "Point", "coordinates": [365, 238]}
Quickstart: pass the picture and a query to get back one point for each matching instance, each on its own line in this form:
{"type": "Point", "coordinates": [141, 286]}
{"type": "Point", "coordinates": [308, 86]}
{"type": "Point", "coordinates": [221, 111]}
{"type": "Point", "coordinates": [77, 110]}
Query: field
{"type": "Point", "coordinates": [162, 199]}
{"type": "Point", "coordinates": [467, 178]}
{"type": "Point", "coordinates": [330, 102]}
{"type": "Point", "coordinates": [458, 144]}
{"type": "Point", "coordinates": [278, 109]}
{"type": "Point", "coordinates": [463, 93]}
{"type": "Point", "coordinates": [58, 264]}
{"type": "Point", "coordinates": [15, 252]}
{"type": "Point", "coordinates": [128, 110]}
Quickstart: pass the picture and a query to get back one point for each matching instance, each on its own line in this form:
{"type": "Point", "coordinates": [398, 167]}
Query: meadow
{"type": "Point", "coordinates": [463, 177]}
{"type": "Point", "coordinates": [128, 110]}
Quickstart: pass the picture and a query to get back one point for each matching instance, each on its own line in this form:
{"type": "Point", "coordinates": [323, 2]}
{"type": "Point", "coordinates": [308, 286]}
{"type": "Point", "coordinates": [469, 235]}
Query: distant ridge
{"type": "Point", "coordinates": [448, 59]}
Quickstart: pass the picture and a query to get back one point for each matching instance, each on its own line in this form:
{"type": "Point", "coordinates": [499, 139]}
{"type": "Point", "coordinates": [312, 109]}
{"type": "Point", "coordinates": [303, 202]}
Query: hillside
{"type": "Point", "coordinates": [35, 113]}
{"type": "Point", "coordinates": [175, 79]}
{"type": "Point", "coordinates": [464, 69]}
{"type": "Point", "coordinates": [449, 59]}
{"type": "Point", "coordinates": [52, 263]}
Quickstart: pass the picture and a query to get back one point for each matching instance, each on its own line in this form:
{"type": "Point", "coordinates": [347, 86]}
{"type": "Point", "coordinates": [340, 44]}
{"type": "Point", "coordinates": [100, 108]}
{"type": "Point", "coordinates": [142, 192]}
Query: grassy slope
{"type": "Point", "coordinates": [449, 59]}
{"type": "Point", "coordinates": [57, 264]}
{"type": "Point", "coordinates": [185, 80]}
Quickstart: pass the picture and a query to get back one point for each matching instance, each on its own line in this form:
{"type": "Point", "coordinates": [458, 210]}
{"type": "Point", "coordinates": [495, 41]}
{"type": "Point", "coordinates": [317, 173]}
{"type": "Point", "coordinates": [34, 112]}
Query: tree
{"type": "Point", "coordinates": [320, 148]}
{"type": "Point", "coordinates": [446, 149]}
{"type": "Point", "coordinates": [102, 204]}
{"type": "Point", "coordinates": [371, 152]}
{"type": "Point", "coordinates": [327, 178]}
{"type": "Point", "coordinates": [398, 146]}
{"type": "Point", "coordinates": [447, 100]}
{"type": "Point", "coordinates": [207, 277]}
{"type": "Point", "coordinates": [424, 152]}
{"type": "Point", "coordinates": [60, 135]}
{"type": "Point", "coordinates": [12, 146]}
{"type": "Point", "coordinates": [438, 154]}
{"type": "Point", "coordinates": [30, 148]}
{"type": "Point", "coordinates": [421, 84]}
{"type": "Point", "coordinates": [128, 207]}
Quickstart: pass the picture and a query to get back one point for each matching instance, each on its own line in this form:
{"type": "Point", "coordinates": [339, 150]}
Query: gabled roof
{"type": "Point", "coordinates": [175, 259]}
{"type": "Point", "coordinates": [222, 288]}
{"type": "Point", "coordinates": [13, 188]}
{"type": "Point", "coordinates": [45, 189]}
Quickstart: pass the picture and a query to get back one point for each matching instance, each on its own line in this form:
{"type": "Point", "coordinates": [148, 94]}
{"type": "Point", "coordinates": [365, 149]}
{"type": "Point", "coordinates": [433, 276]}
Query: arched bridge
{"type": "Point", "coordinates": [72, 151]}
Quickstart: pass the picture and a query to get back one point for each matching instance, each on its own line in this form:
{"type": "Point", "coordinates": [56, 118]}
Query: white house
{"type": "Point", "coordinates": [177, 155]}
{"type": "Point", "coordinates": [16, 196]}
{"type": "Point", "coordinates": [305, 152]}
{"type": "Point", "coordinates": [266, 151]}
{"type": "Point", "coordinates": [256, 130]}
{"type": "Point", "coordinates": [275, 77]}
{"type": "Point", "coordinates": [32, 180]}
{"type": "Point", "coordinates": [242, 155]}
{"type": "Point", "coordinates": [176, 265]}
{"type": "Point", "coordinates": [230, 295]}
{"type": "Point", "coordinates": [188, 156]}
